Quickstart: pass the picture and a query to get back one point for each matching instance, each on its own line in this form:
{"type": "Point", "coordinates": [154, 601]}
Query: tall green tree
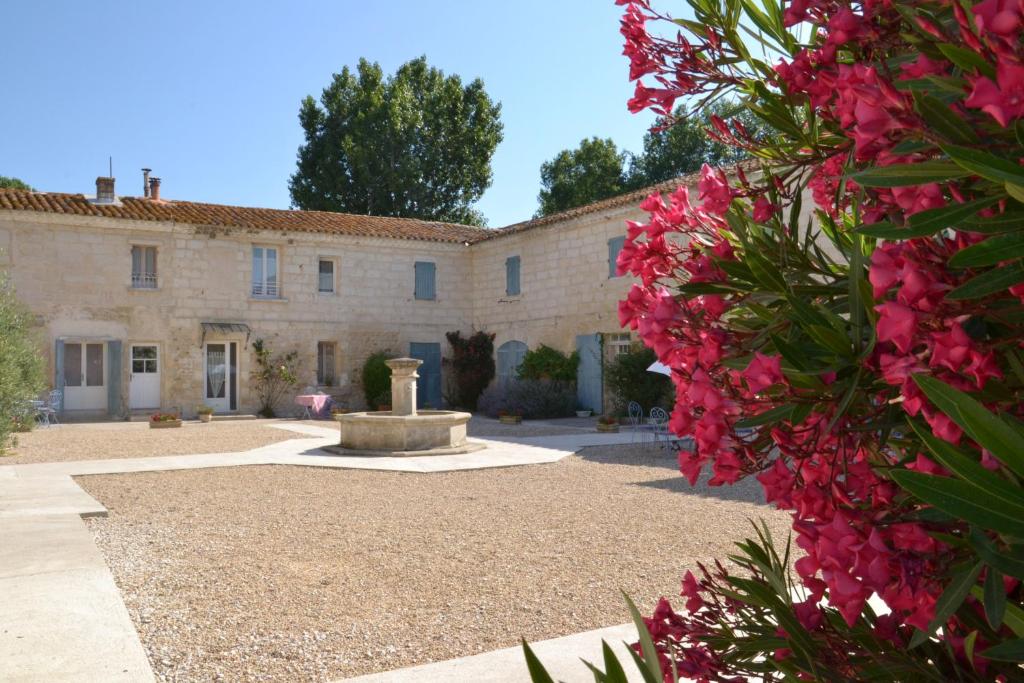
{"type": "Point", "coordinates": [681, 146]}
{"type": "Point", "coordinates": [417, 144]}
{"type": "Point", "coordinates": [593, 171]}
{"type": "Point", "coordinates": [15, 184]}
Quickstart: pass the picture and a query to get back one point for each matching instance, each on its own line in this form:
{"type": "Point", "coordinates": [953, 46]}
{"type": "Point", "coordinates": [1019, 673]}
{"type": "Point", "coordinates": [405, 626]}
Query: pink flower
{"type": "Point", "coordinates": [764, 210]}
{"type": "Point", "coordinates": [1002, 17]}
{"type": "Point", "coordinates": [763, 371]}
{"type": "Point", "coordinates": [1004, 99]}
{"type": "Point", "coordinates": [714, 190]}
{"type": "Point", "coordinates": [897, 324]}
{"type": "Point", "coordinates": [950, 349]}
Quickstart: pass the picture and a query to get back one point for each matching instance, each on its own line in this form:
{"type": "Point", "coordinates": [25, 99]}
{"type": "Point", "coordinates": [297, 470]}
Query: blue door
{"type": "Point", "coordinates": [428, 386]}
{"type": "Point", "coordinates": [589, 385]}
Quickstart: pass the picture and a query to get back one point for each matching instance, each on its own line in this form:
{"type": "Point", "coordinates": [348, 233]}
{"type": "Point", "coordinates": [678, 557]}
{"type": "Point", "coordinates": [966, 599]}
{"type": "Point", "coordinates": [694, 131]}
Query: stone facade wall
{"type": "Point", "coordinates": [75, 274]}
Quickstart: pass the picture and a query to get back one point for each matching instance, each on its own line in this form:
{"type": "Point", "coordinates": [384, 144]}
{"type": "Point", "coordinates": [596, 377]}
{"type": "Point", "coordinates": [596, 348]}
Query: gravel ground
{"type": "Point", "coordinates": [101, 440]}
{"type": "Point", "coordinates": [305, 574]}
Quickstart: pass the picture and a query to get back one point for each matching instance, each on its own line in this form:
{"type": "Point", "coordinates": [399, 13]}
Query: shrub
{"type": "Point", "coordinates": [531, 398]}
{"type": "Point", "coordinates": [545, 362]}
{"type": "Point", "coordinates": [472, 366]}
{"type": "Point", "coordinates": [21, 366]}
{"type": "Point", "coordinates": [376, 380]}
{"type": "Point", "coordinates": [273, 376]}
{"type": "Point", "coordinates": [629, 380]}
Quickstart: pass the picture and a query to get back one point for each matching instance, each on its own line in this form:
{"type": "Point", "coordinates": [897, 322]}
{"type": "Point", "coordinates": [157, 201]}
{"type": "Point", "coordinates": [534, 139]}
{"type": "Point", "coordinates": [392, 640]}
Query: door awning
{"type": "Point", "coordinates": [224, 329]}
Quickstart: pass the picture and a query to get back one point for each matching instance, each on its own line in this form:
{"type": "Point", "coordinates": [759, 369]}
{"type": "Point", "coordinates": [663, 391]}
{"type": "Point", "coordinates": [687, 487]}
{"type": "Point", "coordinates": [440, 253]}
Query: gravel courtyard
{"type": "Point", "coordinates": [307, 574]}
{"type": "Point", "coordinates": [101, 440]}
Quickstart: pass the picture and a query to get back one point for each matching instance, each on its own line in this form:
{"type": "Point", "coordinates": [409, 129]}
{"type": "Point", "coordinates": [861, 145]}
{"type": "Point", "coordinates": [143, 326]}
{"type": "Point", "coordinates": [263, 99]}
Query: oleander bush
{"type": "Point", "coordinates": [471, 366]}
{"type": "Point", "coordinates": [843, 321]}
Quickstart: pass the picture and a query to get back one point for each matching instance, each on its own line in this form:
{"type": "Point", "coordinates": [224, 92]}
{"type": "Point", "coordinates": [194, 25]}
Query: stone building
{"type": "Point", "coordinates": [147, 304]}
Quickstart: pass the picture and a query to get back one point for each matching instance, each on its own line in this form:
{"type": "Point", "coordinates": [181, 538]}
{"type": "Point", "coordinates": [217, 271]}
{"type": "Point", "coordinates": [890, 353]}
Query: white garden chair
{"type": "Point", "coordinates": [659, 421]}
{"type": "Point", "coordinates": [636, 419]}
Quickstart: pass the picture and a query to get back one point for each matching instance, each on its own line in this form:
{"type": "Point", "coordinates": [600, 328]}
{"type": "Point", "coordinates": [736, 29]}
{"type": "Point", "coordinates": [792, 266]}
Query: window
{"type": "Point", "coordinates": [614, 247]}
{"type": "Point", "coordinates": [83, 372]}
{"type": "Point", "coordinates": [325, 363]}
{"type": "Point", "coordinates": [326, 276]}
{"type": "Point", "coordinates": [144, 267]}
{"type": "Point", "coordinates": [264, 273]}
{"type": "Point", "coordinates": [617, 344]}
{"type": "Point", "coordinates": [72, 365]}
{"type": "Point", "coordinates": [426, 281]}
{"type": "Point", "coordinates": [512, 276]}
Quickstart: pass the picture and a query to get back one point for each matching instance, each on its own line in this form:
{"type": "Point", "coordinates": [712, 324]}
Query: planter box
{"type": "Point", "coordinates": [607, 428]}
{"type": "Point", "coordinates": [164, 424]}
{"type": "Point", "coordinates": [510, 419]}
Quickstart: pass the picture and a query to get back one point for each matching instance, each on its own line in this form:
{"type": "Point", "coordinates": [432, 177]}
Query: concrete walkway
{"type": "Point", "coordinates": [62, 616]}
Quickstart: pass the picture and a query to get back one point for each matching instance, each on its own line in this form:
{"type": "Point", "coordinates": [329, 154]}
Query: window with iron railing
{"type": "Point", "coordinates": [143, 267]}
{"type": "Point", "coordinates": [265, 282]}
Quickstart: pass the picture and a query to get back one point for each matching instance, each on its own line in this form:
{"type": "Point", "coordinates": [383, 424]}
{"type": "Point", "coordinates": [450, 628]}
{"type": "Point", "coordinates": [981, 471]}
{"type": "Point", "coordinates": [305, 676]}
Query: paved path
{"type": "Point", "coordinates": [62, 617]}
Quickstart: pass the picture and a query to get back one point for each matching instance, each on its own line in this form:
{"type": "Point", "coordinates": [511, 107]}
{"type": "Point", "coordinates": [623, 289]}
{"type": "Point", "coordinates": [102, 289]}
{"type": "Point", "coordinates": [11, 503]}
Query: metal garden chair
{"type": "Point", "coordinates": [659, 421]}
{"type": "Point", "coordinates": [636, 419]}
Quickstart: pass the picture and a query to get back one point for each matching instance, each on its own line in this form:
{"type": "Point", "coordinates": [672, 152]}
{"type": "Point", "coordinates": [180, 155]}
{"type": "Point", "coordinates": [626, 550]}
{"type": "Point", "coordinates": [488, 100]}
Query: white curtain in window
{"type": "Point", "coordinates": [215, 373]}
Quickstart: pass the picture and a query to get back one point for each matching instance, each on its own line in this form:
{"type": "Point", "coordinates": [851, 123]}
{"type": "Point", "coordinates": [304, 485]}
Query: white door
{"type": "Point", "coordinates": [85, 376]}
{"type": "Point", "coordinates": [144, 380]}
{"type": "Point", "coordinates": [220, 376]}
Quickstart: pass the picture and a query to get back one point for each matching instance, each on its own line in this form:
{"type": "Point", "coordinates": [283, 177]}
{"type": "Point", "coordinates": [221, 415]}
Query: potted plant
{"type": "Point", "coordinates": [164, 420]}
{"type": "Point", "coordinates": [205, 413]}
{"type": "Point", "coordinates": [607, 423]}
{"type": "Point", "coordinates": [510, 418]}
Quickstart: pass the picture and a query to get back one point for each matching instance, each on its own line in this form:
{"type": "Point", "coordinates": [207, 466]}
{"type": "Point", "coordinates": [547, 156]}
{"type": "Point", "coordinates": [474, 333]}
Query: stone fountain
{"type": "Point", "coordinates": [404, 430]}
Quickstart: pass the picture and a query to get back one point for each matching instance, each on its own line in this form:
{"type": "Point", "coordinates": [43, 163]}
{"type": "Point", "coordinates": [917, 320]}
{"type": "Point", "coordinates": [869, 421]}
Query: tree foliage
{"type": "Point", "coordinates": [592, 171]}
{"type": "Point", "coordinates": [12, 183]}
{"type": "Point", "coordinates": [417, 144]}
{"type": "Point", "coordinates": [21, 366]}
{"type": "Point", "coordinates": [547, 363]}
{"type": "Point", "coordinates": [629, 379]}
{"type": "Point", "coordinates": [376, 378]}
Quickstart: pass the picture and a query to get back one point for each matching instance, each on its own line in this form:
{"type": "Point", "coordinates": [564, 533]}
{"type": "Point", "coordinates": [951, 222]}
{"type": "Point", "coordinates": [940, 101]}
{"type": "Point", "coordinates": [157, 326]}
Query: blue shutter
{"type": "Point", "coordinates": [58, 366]}
{"type": "Point", "coordinates": [614, 247]}
{"type": "Point", "coordinates": [512, 275]}
{"type": "Point", "coordinates": [114, 377]}
{"type": "Point", "coordinates": [426, 289]}
{"type": "Point", "coordinates": [589, 382]}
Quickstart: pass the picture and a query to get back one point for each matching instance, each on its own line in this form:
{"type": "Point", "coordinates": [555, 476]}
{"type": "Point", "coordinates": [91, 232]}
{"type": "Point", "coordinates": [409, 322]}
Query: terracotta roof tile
{"type": "Point", "coordinates": [217, 215]}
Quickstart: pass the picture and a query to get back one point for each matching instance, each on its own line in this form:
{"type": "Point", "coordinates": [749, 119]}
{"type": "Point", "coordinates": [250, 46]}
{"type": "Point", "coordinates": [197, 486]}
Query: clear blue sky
{"type": "Point", "coordinates": [207, 93]}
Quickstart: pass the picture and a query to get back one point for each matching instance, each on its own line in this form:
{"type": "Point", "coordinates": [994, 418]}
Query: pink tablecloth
{"type": "Point", "coordinates": [315, 402]}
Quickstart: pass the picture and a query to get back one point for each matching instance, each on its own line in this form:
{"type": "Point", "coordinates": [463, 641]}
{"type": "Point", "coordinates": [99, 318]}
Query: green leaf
{"type": "Point", "coordinates": [943, 120]}
{"type": "Point", "coordinates": [614, 673]}
{"type": "Point", "coordinates": [990, 282]}
{"type": "Point", "coordinates": [991, 433]}
{"type": "Point", "coordinates": [959, 499]}
{"type": "Point", "coordinates": [652, 666]}
{"type": "Point", "coordinates": [966, 59]}
{"type": "Point", "coordinates": [932, 220]}
{"type": "Point", "coordinates": [1008, 221]}
{"type": "Point", "coordinates": [985, 164]}
{"type": "Point", "coordinates": [773, 415]}
{"type": "Point", "coordinates": [1008, 651]}
{"type": "Point", "coordinates": [1014, 190]}
{"type": "Point", "coordinates": [1009, 562]}
{"type": "Point", "coordinates": [899, 175]}
{"type": "Point", "coordinates": [538, 674]}
{"type": "Point", "coordinates": [995, 598]}
{"type": "Point", "coordinates": [991, 251]}
{"type": "Point", "coordinates": [989, 484]}
{"type": "Point", "coordinates": [766, 272]}
{"type": "Point", "coordinates": [950, 600]}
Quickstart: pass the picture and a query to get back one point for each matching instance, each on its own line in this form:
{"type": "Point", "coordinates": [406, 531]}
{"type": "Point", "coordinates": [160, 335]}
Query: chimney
{"type": "Point", "coordinates": [105, 190]}
{"type": "Point", "coordinates": [145, 182]}
{"type": "Point", "coordinates": [154, 189]}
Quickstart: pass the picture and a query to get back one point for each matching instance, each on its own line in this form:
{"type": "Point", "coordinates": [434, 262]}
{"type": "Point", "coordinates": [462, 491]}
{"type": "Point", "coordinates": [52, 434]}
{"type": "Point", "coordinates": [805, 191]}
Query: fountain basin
{"type": "Point", "coordinates": [428, 432]}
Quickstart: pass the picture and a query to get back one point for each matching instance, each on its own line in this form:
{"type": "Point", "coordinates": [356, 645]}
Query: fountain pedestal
{"type": "Point", "coordinates": [404, 430]}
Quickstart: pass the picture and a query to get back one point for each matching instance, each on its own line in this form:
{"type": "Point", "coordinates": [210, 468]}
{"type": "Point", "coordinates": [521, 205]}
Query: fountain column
{"type": "Point", "coordinates": [403, 385]}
